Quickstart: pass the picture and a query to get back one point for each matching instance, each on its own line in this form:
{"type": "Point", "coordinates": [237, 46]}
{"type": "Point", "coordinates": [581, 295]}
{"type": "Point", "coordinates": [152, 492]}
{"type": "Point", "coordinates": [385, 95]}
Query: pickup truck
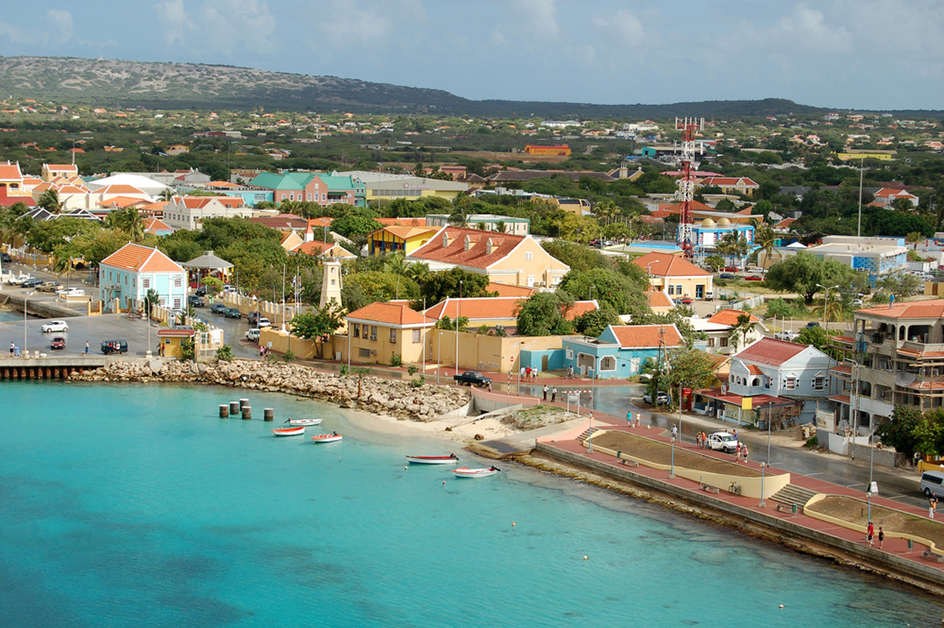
{"type": "Point", "coordinates": [472, 378]}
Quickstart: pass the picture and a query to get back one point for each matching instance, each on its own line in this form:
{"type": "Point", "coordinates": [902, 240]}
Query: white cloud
{"type": "Point", "coordinates": [62, 22]}
{"type": "Point", "coordinates": [229, 25]}
{"type": "Point", "coordinates": [19, 35]}
{"type": "Point", "coordinates": [624, 29]}
{"type": "Point", "coordinates": [371, 24]}
{"type": "Point", "coordinates": [540, 16]}
{"type": "Point", "coordinates": [175, 21]}
{"type": "Point", "coordinates": [803, 32]}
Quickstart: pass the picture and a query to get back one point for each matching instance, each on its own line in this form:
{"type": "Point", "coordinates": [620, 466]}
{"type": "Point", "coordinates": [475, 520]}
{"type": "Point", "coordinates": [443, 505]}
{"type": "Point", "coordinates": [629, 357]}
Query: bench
{"type": "Point", "coordinates": [932, 556]}
{"type": "Point", "coordinates": [710, 489]}
{"type": "Point", "coordinates": [630, 463]}
{"type": "Point", "coordinates": [786, 508]}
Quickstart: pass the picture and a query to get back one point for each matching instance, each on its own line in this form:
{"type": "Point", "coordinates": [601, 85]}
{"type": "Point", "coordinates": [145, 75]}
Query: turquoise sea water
{"type": "Point", "coordinates": [136, 506]}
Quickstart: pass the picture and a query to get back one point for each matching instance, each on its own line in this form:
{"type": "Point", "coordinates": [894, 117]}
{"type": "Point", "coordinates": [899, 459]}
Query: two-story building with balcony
{"type": "Point", "coordinates": [894, 357]}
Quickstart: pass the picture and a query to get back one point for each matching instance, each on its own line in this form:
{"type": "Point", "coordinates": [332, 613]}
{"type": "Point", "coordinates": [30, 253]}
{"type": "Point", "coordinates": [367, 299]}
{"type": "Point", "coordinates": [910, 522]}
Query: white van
{"type": "Point", "coordinates": [932, 483]}
{"type": "Point", "coordinates": [709, 295]}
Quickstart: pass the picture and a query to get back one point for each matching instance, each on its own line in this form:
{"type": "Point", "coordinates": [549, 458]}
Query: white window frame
{"type": "Point", "coordinates": [528, 256]}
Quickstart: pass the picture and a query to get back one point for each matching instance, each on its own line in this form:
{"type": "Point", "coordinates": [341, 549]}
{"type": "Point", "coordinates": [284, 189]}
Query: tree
{"type": "Point", "coordinates": [714, 263]}
{"type": "Point", "coordinates": [579, 257]}
{"type": "Point", "coordinates": [593, 322]}
{"type": "Point", "coordinates": [440, 285]}
{"type": "Point", "coordinates": [815, 336]}
{"type": "Point", "coordinates": [913, 238]}
{"type": "Point", "coordinates": [447, 323]}
{"type": "Point", "coordinates": [743, 326]}
{"type": "Point", "coordinates": [319, 325]}
{"type": "Point", "coordinates": [900, 284]}
{"type": "Point", "coordinates": [543, 314]}
{"type": "Point", "coordinates": [686, 368]}
{"type": "Point", "coordinates": [803, 272]}
{"type": "Point", "coordinates": [622, 294]}
{"type": "Point", "coordinates": [379, 286]}
{"type": "Point", "coordinates": [765, 238]}
{"type": "Point", "coordinates": [50, 201]}
{"type": "Point", "coordinates": [62, 266]}
{"type": "Point", "coordinates": [354, 225]}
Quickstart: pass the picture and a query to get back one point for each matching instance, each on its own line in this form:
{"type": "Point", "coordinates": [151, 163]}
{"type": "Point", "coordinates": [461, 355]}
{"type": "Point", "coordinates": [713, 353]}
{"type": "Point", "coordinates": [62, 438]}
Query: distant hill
{"type": "Point", "coordinates": [187, 85]}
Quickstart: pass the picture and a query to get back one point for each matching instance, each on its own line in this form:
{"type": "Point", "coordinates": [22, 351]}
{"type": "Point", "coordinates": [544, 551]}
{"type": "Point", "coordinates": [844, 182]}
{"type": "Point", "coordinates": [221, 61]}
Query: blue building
{"type": "Point", "coordinates": [130, 272]}
{"type": "Point", "coordinates": [620, 351]}
{"type": "Point", "coordinates": [707, 233]}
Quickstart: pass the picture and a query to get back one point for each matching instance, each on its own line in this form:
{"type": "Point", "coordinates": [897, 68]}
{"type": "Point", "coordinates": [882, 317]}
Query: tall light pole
{"type": "Point", "coordinates": [763, 466]}
{"type": "Point", "coordinates": [593, 402]}
{"type": "Point", "coordinates": [439, 359]}
{"type": "Point", "coordinates": [520, 342]}
{"type": "Point", "coordinates": [25, 328]}
{"type": "Point", "coordinates": [826, 304]}
{"type": "Point", "coordinates": [458, 305]}
{"type": "Point", "coordinates": [861, 170]}
{"type": "Point", "coordinates": [873, 486]}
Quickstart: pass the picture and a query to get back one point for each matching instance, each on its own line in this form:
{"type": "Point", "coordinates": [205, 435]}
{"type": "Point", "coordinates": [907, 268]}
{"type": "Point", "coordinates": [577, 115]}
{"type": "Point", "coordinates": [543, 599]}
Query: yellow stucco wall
{"type": "Point", "coordinates": [688, 285]}
{"type": "Point", "coordinates": [516, 269]}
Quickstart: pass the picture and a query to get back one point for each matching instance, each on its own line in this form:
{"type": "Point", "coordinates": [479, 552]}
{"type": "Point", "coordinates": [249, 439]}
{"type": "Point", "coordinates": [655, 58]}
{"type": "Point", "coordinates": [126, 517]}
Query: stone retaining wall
{"type": "Point", "coordinates": [377, 395]}
{"type": "Point", "coordinates": [868, 555]}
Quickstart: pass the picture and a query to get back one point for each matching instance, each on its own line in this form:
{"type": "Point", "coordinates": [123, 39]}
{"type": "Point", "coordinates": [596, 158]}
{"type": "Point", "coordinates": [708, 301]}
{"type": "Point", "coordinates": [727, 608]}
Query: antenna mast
{"type": "Point", "coordinates": [686, 184]}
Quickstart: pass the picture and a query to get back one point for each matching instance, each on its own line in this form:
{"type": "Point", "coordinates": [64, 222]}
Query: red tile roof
{"type": "Point", "coordinates": [646, 336]}
{"type": "Point", "coordinates": [770, 351]}
{"type": "Point", "coordinates": [666, 265]}
{"type": "Point", "coordinates": [142, 259]}
{"type": "Point", "coordinates": [402, 222]}
{"type": "Point", "coordinates": [281, 221]}
{"type": "Point", "coordinates": [477, 256]}
{"type": "Point", "coordinates": [729, 317]}
{"type": "Point", "coordinates": [316, 247]}
{"type": "Point", "coordinates": [758, 401]}
{"type": "Point", "coordinates": [389, 314]}
{"type": "Point", "coordinates": [10, 172]}
{"type": "Point", "coordinates": [153, 224]}
{"type": "Point", "coordinates": [753, 369]}
{"type": "Point", "coordinates": [917, 309]}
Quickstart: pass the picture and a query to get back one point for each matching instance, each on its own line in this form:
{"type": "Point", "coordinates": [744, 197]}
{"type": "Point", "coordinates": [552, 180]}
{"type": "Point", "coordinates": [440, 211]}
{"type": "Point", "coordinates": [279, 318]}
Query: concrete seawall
{"type": "Point", "coordinates": [39, 307]}
{"type": "Point", "coordinates": [871, 557]}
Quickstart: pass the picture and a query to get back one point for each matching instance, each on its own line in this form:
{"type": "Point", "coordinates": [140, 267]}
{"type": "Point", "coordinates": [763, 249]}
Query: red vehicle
{"type": "Point", "coordinates": [753, 278]}
{"type": "Point", "coordinates": [58, 343]}
{"type": "Point", "coordinates": [730, 269]}
{"type": "Point", "coordinates": [686, 301]}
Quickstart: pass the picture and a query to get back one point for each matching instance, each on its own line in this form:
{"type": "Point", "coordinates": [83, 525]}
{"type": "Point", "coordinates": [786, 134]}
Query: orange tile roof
{"type": "Point", "coordinates": [730, 317]}
{"type": "Point", "coordinates": [153, 224]}
{"type": "Point", "coordinates": [197, 202]}
{"type": "Point", "coordinates": [405, 233]}
{"type": "Point", "coordinates": [10, 172]}
{"type": "Point", "coordinates": [657, 298]}
{"type": "Point", "coordinates": [403, 222]}
{"type": "Point", "coordinates": [119, 201]}
{"type": "Point", "coordinates": [477, 256]}
{"type": "Point", "coordinates": [666, 265]}
{"type": "Point", "coordinates": [62, 167]}
{"type": "Point", "coordinates": [320, 222]}
{"type": "Point", "coordinates": [918, 309]}
{"type": "Point", "coordinates": [506, 290]}
{"type": "Point", "coordinates": [770, 351]}
{"type": "Point", "coordinates": [485, 308]}
{"type": "Point", "coordinates": [390, 314]}
{"type": "Point", "coordinates": [142, 259]}
{"type": "Point", "coordinates": [120, 189]}
{"type": "Point", "coordinates": [317, 248]}
{"type": "Point", "coordinates": [753, 369]}
{"type": "Point", "coordinates": [646, 336]}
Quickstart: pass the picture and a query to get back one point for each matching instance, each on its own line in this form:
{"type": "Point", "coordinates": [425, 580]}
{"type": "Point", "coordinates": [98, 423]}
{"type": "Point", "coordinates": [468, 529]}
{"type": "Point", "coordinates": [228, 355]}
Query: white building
{"type": "Point", "coordinates": [189, 212]}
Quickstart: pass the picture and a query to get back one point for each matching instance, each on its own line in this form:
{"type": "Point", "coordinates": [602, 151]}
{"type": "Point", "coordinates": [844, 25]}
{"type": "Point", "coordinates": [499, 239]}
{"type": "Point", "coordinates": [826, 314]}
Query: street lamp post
{"type": "Point", "coordinates": [439, 359]}
{"type": "Point", "coordinates": [25, 325]}
{"type": "Point", "coordinates": [826, 304]}
{"type": "Point", "coordinates": [873, 486]}
{"type": "Point", "coordinates": [593, 401]}
{"type": "Point", "coordinates": [458, 305]}
{"type": "Point", "coordinates": [763, 466]}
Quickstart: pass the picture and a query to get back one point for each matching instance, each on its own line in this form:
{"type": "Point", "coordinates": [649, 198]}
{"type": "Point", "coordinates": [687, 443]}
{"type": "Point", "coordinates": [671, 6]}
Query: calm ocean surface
{"type": "Point", "coordinates": [136, 506]}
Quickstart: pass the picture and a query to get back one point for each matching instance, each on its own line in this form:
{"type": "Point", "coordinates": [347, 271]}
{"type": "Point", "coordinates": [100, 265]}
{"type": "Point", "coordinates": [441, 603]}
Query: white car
{"type": "Point", "coordinates": [252, 335]}
{"type": "Point", "coordinates": [723, 441]}
{"type": "Point", "coordinates": [71, 292]}
{"type": "Point", "coordinates": [262, 322]}
{"type": "Point", "coordinates": [786, 335]}
{"type": "Point", "coordinates": [52, 326]}
{"type": "Point", "coordinates": [17, 279]}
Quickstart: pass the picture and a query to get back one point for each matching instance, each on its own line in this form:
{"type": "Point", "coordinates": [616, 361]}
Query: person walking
{"type": "Point", "coordinates": [545, 392]}
{"type": "Point", "coordinates": [871, 532]}
{"type": "Point", "coordinates": [932, 504]}
{"type": "Point", "coordinates": [12, 349]}
{"type": "Point", "coordinates": [744, 452]}
{"type": "Point", "coordinates": [881, 538]}
{"type": "Point", "coordinates": [490, 387]}
{"type": "Point", "coordinates": [737, 453]}
{"type": "Point", "coordinates": [554, 394]}
{"type": "Point", "coordinates": [674, 432]}
{"type": "Point", "coordinates": [86, 347]}
{"type": "Point", "coordinates": [629, 418]}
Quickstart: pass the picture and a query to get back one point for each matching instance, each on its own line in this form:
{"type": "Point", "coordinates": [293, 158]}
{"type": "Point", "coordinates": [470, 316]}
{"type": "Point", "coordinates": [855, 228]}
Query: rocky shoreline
{"type": "Point", "coordinates": [370, 394]}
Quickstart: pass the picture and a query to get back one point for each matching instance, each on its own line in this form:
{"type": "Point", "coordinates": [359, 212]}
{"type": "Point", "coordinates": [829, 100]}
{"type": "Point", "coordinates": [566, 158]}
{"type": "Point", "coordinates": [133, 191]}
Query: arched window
{"type": "Point", "coordinates": [608, 363]}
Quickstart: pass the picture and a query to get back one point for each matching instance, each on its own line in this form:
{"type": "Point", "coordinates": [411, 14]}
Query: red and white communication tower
{"type": "Point", "coordinates": [686, 184]}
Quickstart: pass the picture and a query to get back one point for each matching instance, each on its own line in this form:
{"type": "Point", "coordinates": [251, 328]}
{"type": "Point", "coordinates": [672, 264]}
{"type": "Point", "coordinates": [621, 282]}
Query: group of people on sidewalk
{"type": "Point", "coordinates": [553, 392]}
{"type": "Point", "coordinates": [871, 533]}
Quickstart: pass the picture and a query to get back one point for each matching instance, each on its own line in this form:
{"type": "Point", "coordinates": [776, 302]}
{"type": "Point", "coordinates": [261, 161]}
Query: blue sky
{"type": "Point", "coordinates": [864, 54]}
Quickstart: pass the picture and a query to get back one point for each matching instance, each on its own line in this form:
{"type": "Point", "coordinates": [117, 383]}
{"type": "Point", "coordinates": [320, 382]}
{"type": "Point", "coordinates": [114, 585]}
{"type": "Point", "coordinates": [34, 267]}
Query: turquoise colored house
{"type": "Point", "coordinates": [130, 272]}
{"type": "Point", "coordinates": [620, 351]}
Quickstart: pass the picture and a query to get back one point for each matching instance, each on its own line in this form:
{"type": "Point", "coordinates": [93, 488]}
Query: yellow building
{"type": "Point", "coordinates": [11, 181]}
{"type": "Point", "coordinates": [170, 341]}
{"type": "Point", "coordinates": [494, 311]}
{"type": "Point", "coordinates": [381, 330]}
{"type": "Point", "coordinates": [381, 187]}
{"type": "Point", "coordinates": [880, 155]}
{"type": "Point", "coordinates": [395, 238]}
{"type": "Point", "coordinates": [675, 275]}
{"type": "Point", "coordinates": [504, 258]}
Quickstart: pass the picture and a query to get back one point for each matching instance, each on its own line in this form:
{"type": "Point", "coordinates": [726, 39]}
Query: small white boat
{"type": "Point", "coordinates": [320, 439]}
{"type": "Point", "coordinates": [304, 422]}
{"type": "Point", "coordinates": [289, 431]}
{"type": "Point", "coordinates": [465, 472]}
{"type": "Point", "coordinates": [450, 459]}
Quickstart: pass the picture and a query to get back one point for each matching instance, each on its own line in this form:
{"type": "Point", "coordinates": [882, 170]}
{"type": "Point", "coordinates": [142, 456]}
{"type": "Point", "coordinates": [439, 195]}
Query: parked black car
{"type": "Point", "coordinates": [232, 312]}
{"type": "Point", "coordinates": [114, 346]}
{"type": "Point", "coordinates": [32, 282]}
{"type": "Point", "coordinates": [218, 308]}
{"type": "Point", "coordinates": [472, 378]}
{"type": "Point", "coordinates": [5, 257]}
{"type": "Point", "coordinates": [201, 291]}
{"type": "Point", "coordinates": [196, 301]}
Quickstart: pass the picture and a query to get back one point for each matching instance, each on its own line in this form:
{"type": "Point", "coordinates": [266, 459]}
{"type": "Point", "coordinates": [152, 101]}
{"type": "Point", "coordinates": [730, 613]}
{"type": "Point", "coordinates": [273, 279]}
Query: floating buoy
{"type": "Point", "coordinates": [585, 558]}
{"type": "Point", "coordinates": [444, 482]}
{"type": "Point", "coordinates": [406, 467]}
{"type": "Point", "coordinates": [781, 606]}
{"type": "Point", "coordinates": [512, 524]}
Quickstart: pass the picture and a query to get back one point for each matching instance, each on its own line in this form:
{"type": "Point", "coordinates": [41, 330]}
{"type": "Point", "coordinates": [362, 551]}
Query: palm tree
{"type": "Point", "coordinates": [765, 238]}
{"type": "Point", "coordinates": [417, 270]}
{"type": "Point", "coordinates": [500, 226]}
{"type": "Point", "coordinates": [167, 194]}
{"type": "Point", "coordinates": [743, 326]}
{"type": "Point", "coordinates": [62, 265]}
{"type": "Point", "coordinates": [396, 263]}
{"type": "Point", "coordinates": [830, 309]}
{"type": "Point", "coordinates": [913, 238]}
